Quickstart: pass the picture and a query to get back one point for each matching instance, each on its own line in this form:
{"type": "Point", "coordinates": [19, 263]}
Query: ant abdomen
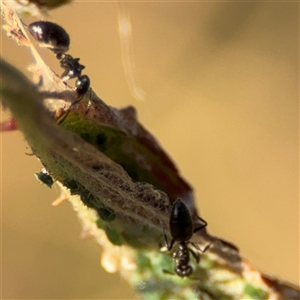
{"type": "Point", "coordinates": [51, 35]}
{"type": "Point", "coordinates": [181, 223]}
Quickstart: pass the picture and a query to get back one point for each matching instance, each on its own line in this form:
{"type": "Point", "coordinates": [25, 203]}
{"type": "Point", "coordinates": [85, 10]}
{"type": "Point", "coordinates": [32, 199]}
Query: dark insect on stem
{"type": "Point", "coordinates": [106, 214]}
{"type": "Point", "coordinates": [182, 228]}
{"type": "Point", "coordinates": [72, 185]}
{"type": "Point", "coordinates": [44, 177]}
{"type": "Point", "coordinates": [51, 35]}
{"type": "Point", "coordinates": [82, 84]}
{"type": "Point", "coordinates": [55, 38]}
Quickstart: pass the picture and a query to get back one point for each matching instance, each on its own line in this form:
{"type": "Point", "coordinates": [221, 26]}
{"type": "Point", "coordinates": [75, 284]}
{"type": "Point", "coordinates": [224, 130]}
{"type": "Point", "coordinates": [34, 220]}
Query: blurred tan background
{"type": "Point", "coordinates": [221, 83]}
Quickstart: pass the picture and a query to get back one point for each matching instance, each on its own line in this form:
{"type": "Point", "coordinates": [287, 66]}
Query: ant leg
{"type": "Point", "coordinates": [166, 245]}
{"type": "Point", "coordinates": [196, 256]}
{"type": "Point", "coordinates": [89, 103]}
{"type": "Point", "coordinates": [199, 249]}
{"type": "Point", "coordinates": [79, 98]}
{"type": "Point", "coordinates": [62, 116]}
{"type": "Point", "coordinates": [169, 247]}
{"type": "Point", "coordinates": [67, 111]}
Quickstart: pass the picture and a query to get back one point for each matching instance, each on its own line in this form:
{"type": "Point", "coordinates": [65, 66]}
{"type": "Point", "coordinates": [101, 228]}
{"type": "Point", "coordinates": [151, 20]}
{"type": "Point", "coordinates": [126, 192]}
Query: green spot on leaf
{"type": "Point", "coordinates": [113, 236]}
{"type": "Point", "coordinates": [255, 292]}
{"type": "Point", "coordinates": [143, 261]}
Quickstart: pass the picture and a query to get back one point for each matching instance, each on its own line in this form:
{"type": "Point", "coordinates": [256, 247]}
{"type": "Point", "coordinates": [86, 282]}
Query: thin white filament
{"type": "Point", "coordinates": [125, 32]}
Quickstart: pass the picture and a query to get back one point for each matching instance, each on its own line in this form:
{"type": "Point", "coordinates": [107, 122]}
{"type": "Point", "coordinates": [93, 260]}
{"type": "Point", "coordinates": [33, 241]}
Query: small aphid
{"type": "Point", "coordinates": [182, 228]}
{"type": "Point", "coordinates": [72, 185]}
{"type": "Point", "coordinates": [51, 35]}
{"type": "Point", "coordinates": [106, 214]}
{"type": "Point", "coordinates": [44, 178]}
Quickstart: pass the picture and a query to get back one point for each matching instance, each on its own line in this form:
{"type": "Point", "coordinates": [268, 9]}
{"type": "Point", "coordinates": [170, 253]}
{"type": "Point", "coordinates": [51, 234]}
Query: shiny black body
{"type": "Point", "coordinates": [182, 228]}
{"type": "Point", "coordinates": [181, 223]}
{"type": "Point", "coordinates": [45, 178]}
{"type": "Point", "coordinates": [71, 66]}
{"type": "Point", "coordinates": [57, 40]}
{"type": "Point", "coordinates": [106, 214]}
{"type": "Point", "coordinates": [52, 35]}
{"type": "Point", "coordinates": [82, 85]}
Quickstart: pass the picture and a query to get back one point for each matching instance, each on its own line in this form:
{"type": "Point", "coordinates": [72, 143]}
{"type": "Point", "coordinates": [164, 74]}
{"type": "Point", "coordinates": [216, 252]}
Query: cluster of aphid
{"type": "Point", "coordinates": [55, 38]}
{"type": "Point", "coordinates": [181, 227]}
{"type": "Point", "coordinates": [105, 213]}
{"type": "Point", "coordinates": [181, 223]}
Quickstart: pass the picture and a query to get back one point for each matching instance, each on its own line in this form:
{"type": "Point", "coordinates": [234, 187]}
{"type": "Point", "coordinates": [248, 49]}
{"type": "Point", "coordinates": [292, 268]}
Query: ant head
{"type": "Point", "coordinates": [51, 35]}
{"type": "Point", "coordinates": [183, 270]}
{"type": "Point", "coordinates": [82, 85]}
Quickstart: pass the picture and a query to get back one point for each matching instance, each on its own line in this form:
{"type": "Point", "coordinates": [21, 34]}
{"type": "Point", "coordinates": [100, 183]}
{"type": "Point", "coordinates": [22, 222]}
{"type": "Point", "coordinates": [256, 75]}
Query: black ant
{"type": "Point", "coordinates": [182, 228]}
{"type": "Point", "coordinates": [55, 38]}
